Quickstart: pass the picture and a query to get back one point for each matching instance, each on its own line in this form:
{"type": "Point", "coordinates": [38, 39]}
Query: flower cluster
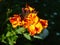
{"type": "Point", "coordinates": [30, 21]}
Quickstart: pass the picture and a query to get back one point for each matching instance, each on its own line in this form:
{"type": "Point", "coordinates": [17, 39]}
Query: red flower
{"type": "Point", "coordinates": [15, 21]}
{"type": "Point", "coordinates": [44, 23]}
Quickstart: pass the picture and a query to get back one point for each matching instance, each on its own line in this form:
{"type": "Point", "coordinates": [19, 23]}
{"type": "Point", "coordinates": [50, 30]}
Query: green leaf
{"type": "Point", "coordinates": [27, 36]}
{"type": "Point", "coordinates": [38, 37]}
{"type": "Point", "coordinates": [10, 41]}
{"type": "Point", "coordinates": [3, 38]}
{"type": "Point", "coordinates": [13, 32]}
{"type": "Point", "coordinates": [8, 34]}
{"type": "Point", "coordinates": [9, 27]}
{"type": "Point", "coordinates": [14, 37]}
{"type": "Point", "coordinates": [20, 30]}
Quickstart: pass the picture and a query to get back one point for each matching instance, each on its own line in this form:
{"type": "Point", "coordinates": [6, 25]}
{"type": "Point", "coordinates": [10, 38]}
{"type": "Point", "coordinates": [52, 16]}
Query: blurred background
{"type": "Point", "coordinates": [47, 9]}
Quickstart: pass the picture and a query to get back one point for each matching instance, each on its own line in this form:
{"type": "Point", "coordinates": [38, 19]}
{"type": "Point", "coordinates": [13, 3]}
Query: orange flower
{"type": "Point", "coordinates": [26, 22]}
{"type": "Point", "coordinates": [44, 23]}
{"type": "Point", "coordinates": [30, 19]}
{"type": "Point", "coordinates": [38, 27]}
{"type": "Point", "coordinates": [35, 29]}
{"type": "Point", "coordinates": [31, 30]}
{"type": "Point", "coordinates": [15, 21]}
{"type": "Point", "coordinates": [33, 17]}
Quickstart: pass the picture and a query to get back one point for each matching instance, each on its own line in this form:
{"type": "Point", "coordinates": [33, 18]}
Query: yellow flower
{"type": "Point", "coordinates": [33, 17]}
{"type": "Point", "coordinates": [38, 27]}
{"type": "Point", "coordinates": [15, 21]}
{"type": "Point", "coordinates": [31, 30]}
{"type": "Point", "coordinates": [35, 29]}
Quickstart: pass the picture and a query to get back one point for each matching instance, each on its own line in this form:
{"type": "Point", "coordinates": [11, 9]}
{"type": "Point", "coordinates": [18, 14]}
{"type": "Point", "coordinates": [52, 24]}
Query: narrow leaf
{"type": "Point", "coordinates": [38, 37]}
{"type": "Point", "coordinates": [27, 36]}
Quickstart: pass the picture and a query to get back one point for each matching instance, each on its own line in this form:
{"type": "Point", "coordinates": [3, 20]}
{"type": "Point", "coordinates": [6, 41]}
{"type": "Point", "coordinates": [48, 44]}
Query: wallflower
{"type": "Point", "coordinates": [37, 24]}
{"type": "Point", "coordinates": [35, 29]}
{"type": "Point", "coordinates": [31, 30]}
{"type": "Point", "coordinates": [44, 23]}
{"type": "Point", "coordinates": [34, 24]}
{"type": "Point", "coordinates": [15, 20]}
{"type": "Point", "coordinates": [33, 17]}
{"type": "Point", "coordinates": [30, 19]}
{"type": "Point", "coordinates": [26, 22]}
{"type": "Point", "coordinates": [38, 27]}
